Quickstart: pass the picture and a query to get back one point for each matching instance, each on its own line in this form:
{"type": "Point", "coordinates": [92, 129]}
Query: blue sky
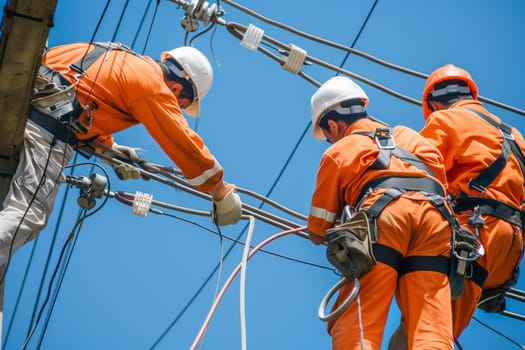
{"type": "Point", "coordinates": [129, 278]}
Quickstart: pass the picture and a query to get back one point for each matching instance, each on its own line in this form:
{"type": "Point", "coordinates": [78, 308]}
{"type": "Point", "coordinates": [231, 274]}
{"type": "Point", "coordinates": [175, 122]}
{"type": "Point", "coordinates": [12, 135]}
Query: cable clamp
{"type": "Point", "coordinates": [295, 59]}
{"type": "Point", "coordinates": [141, 204]}
{"type": "Point", "coordinates": [252, 37]}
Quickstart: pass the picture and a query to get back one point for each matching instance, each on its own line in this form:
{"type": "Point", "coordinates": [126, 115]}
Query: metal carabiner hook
{"type": "Point", "coordinates": [344, 305]}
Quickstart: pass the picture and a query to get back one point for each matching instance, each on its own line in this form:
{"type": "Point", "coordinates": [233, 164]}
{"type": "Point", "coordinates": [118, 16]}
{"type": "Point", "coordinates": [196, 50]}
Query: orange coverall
{"type": "Point", "coordinates": [469, 145]}
{"type": "Point", "coordinates": [411, 225]}
{"type": "Point", "coordinates": [129, 89]}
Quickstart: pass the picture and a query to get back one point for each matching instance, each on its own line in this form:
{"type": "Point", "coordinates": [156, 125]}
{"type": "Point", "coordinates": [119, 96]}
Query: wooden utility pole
{"type": "Point", "coordinates": [25, 27]}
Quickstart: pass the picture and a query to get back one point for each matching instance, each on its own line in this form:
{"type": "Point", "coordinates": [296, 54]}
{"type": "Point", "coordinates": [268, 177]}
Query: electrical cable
{"type": "Point", "coordinates": [235, 29]}
{"type": "Point", "coordinates": [221, 260]}
{"type": "Point", "coordinates": [499, 333]}
{"type": "Point", "coordinates": [232, 276]}
{"type": "Point", "coordinates": [139, 29]}
{"type": "Point", "coordinates": [120, 21]}
{"type": "Point", "coordinates": [210, 27]}
{"type": "Point", "coordinates": [46, 299]}
{"type": "Point", "coordinates": [82, 216]}
{"type": "Point", "coordinates": [151, 27]}
{"type": "Point", "coordinates": [286, 257]}
{"type": "Point", "coordinates": [97, 27]}
{"type": "Point", "coordinates": [363, 25]}
{"type": "Point", "coordinates": [358, 53]}
{"type": "Point", "coordinates": [50, 250]}
{"type": "Point", "coordinates": [41, 183]}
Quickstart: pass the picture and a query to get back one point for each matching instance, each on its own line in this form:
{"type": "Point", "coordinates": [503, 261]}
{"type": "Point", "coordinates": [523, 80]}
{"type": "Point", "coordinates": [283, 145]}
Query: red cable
{"type": "Point", "coordinates": [230, 279]}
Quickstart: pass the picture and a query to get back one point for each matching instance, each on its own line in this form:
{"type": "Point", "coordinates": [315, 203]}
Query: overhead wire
{"type": "Point", "coordinates": [50, 250]}
{"type": "Point", "coordinates": [48, 295]}
{"type": "Point", "coordinates": [115, 32]}
{"type": "Point", "coordinates": [82, 216]}
{"type": "Point", "coordinates": [151, 26]}
{"type": "Point", "coordinates": [230, 279]}
{"type": "Point", "coordinates": [128, 198]}
{"type": "Point", "coordinates": [358, 53]}
{"type": "Point", "coordinates": [139, 28]}
{"type": "Point", "coordinates": [499, 333]}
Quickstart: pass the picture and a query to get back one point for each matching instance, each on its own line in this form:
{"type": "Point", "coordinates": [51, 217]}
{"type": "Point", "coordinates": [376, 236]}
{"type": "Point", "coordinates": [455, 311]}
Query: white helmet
{"type": "Point", "coordinates": [329, 95]}
{"type": "Point", "coordinates": [199, 71]}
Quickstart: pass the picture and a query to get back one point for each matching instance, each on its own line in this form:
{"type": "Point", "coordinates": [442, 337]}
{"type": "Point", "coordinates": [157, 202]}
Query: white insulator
{"type": "Point", "coordinates": [141, 204]}
{"type": "Point", "coordinates": [295, 59]}
{"type": "Point", "coordinates": [252, 38]}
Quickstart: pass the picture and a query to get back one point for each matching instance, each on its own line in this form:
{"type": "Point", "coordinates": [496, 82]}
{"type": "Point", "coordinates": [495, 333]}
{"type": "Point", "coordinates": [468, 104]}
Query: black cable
{"type": "Point", "coordinates": [120, 21]}
{"type": "Point", "coordinates": [140, 25]}
{"type": "Point", "coordinates": [61, 279]}
{"type": "Point", "coordinates": [499, 333]}
{"type": "Point", "coordinates": [82, 216]}
{"type": "Point", "coordinates": [210, 27]}
{"type": "Point", "coordinates": [28, 338]}
{"type": "Point", "coordinates": [97, 27]}
{"type": "Point", "coordinates": [359, 33]}
{"type": "Point", "coordinates": [150, 27]}
{"type": "Point", "coordinates": [243, 243]}
{"type": "Point", "coordinates": [38, 187]}
{"type": "Point", "coordinates": [51, 248]}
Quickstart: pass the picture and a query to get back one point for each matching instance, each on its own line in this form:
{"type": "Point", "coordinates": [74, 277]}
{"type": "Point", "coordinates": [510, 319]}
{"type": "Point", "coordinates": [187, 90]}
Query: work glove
{"type": "Point", "coordinates": [125, 171]}
{"type": "Point", "coordinates": [349, 247]}
{"type": "Point", "coordinates": [228, 210]}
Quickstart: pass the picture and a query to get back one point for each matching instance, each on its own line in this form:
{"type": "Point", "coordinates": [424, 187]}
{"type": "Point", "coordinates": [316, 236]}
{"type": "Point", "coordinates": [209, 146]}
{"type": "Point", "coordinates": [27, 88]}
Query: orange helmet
{"type": "Point", "coordinates": [447, 72]}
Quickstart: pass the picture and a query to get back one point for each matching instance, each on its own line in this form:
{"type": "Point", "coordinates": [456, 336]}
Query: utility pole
{"type": "Point", "coordinates": [25, 28]}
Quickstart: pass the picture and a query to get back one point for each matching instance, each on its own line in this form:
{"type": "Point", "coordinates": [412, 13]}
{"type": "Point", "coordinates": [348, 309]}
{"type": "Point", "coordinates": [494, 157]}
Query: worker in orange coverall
{"type": "Point", "coordinates": [471, 140]}
{"type": "Point", "coordinates": [412, 241]}
{"type": "Point", "coordinates": [115, 89]}
{"type": "Point", "coordinates": [456, 123]}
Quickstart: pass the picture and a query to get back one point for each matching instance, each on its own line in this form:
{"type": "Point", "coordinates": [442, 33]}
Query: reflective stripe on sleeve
{"type": "Point", "coordinates": [206, 175]}
{"type": "Point", "coordinates": [322, 213]}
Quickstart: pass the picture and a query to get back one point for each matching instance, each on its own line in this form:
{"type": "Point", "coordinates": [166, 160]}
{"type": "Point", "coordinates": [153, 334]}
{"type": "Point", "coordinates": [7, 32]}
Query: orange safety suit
{"type": "Point", "coordinates": [124, 89]}
{"type": "Point", "coordinates": [410, 225]}
{"type": "Point", "coordinates": [469, 145]}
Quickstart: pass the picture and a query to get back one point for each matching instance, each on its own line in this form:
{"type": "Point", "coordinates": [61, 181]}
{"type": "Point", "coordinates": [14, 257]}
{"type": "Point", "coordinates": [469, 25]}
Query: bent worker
{"type": "Point", "coordinates": [115, 89]}
{"type": "Point", "coordinates": [396, 177]}
{"type": "Point", "coordinates": [485, 164]}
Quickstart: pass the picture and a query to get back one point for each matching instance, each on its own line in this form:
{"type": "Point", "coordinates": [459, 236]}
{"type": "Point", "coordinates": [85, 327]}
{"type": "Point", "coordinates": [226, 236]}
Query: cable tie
{"type": "Point", "coordinates": [141, 204]}
{"type": "Point", "coordinates": [295, 59]}
{"type": "Point", "coordinates": [252, 37]}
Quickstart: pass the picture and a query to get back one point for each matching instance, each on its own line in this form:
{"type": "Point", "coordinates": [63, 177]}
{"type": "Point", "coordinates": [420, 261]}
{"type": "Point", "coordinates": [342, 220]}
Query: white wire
{"type": "Point", "coordinates": [242, 292]}
{"type": "Point", "coordinates": [361, 333]}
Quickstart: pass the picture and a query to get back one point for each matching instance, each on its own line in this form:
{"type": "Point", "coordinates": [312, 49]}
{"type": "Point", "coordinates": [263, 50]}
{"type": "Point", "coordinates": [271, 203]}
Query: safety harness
{"type": "Point", "coordinates": [54, 104]}
{"type": "Point", "coordinates": [493, 300]}
{"type": "Point", "coordinates": [465, 247]}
